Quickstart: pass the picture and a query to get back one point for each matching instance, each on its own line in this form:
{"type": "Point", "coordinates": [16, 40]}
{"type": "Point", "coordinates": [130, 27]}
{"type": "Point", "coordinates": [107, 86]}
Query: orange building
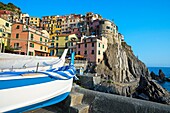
{"type": "Point", "coordinates": [28, 41]}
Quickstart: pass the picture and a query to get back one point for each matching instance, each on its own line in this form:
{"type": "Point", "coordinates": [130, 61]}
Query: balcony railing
{"type": "Point", "coordinates": [17, 48]}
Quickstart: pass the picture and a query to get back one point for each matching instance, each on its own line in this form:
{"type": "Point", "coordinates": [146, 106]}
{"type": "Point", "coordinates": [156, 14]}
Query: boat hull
{"type": "Point", "coordinates": [45, 92]}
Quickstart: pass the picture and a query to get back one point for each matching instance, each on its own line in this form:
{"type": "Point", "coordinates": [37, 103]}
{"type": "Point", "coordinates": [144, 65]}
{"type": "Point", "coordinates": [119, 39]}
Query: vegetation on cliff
{"type": "Point", "coordinates": [9, 7]}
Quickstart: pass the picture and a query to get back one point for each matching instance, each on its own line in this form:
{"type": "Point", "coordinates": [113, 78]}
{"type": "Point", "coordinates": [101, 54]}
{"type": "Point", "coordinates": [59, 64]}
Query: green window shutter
{"type": "Point", "coordinates": [32, 35]}
{"type": "Point", "coordinates": [66, 38]}
{"type": "Point", "coordinates": [57, 37]}
{"type": "Point", "coordinates": [7, 24]}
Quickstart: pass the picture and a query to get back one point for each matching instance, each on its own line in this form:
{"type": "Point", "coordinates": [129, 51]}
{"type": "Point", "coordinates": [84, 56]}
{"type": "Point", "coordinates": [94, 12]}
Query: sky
{"type": "Point", "coordinates": [145, 24]}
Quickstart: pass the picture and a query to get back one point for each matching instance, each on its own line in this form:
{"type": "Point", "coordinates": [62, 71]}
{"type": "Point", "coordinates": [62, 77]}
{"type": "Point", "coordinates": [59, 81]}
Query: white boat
{"type": "Point", "coordinates": [14, 62]}
{"type": "Point", "coordinates": [23, 91]}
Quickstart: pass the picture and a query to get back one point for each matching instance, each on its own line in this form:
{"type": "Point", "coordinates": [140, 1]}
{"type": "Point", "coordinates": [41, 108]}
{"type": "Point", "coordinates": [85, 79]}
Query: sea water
{"type": "Point", "coordinates": [166, 71]}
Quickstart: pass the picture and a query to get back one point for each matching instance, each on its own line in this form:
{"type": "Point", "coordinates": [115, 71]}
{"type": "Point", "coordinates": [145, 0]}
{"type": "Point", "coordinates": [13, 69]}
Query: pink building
{"type": "Point", "coordinates": [92, 48]}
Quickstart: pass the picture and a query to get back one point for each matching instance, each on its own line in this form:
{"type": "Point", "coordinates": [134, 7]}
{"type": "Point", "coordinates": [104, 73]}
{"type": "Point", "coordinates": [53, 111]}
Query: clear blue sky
{"type": "Point", "coordinates": [144, 23]}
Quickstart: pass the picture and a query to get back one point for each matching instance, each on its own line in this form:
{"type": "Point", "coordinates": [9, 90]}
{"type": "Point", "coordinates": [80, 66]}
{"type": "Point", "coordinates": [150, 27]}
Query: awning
{"type": "Point", "coordinates": [79, 56]}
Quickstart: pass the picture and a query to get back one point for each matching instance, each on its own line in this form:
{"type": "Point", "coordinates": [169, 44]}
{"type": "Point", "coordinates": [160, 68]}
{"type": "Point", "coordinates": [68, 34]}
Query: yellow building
{"type": "Point", "coordinates": [60, 42]}
{"type": "Point", "coordinates": [5, 33]}
{"type": "Point", "coordinates": [34, 21]}
{"type": "Point", "coordinates": [52, 24]}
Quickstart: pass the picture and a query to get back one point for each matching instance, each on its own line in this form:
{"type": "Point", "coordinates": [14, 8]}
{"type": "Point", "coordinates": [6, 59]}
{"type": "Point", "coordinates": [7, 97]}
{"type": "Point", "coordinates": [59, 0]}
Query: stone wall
{"type": "Point", "coordinates": [108, 103]}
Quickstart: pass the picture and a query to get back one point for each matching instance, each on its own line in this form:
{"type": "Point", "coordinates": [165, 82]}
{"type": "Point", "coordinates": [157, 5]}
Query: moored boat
{"type": "Point", "coordinates": [14, 62]}
{"type": "Point", "coordinates": [22, 91]}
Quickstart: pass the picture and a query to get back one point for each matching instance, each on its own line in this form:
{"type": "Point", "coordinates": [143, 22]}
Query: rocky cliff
{"type": "Point", "coordinates": [124, 74]}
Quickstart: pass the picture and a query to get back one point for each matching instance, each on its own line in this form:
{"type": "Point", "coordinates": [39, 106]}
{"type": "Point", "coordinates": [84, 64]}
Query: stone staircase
{"type": "Point", "coordinates": [76, 105]}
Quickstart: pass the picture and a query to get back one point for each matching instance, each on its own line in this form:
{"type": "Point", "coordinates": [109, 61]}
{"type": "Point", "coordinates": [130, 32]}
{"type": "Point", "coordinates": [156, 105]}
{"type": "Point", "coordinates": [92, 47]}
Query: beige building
{"type": "Point", "coordinates": [5, 33]}
{"type": "Point", "coordinates": [109, 30]}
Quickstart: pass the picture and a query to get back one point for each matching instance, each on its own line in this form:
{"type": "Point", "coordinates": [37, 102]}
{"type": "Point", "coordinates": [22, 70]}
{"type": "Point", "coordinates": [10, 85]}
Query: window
{"type": "Point", "coordinates": [85, 45]}
{"type": "Point", "coordinates": [1, 30]}
{"type": "Point", "coordinates": [30, 53]}
{"type": "Point", "coordinates": [103, 46]}
{"type": "Point", "coordinates": [32, 36]}
{"type": "Point", "coordinates": [78, 45]}
{"type": "Point", "coordinates": [65, 44]}
{"type": "Point", "coordinates": [101, 22]}
{"type": "Point", "coordinates": [53, 38]}
{"type": "Point", "coordinates": [45, 48]}
{"type": "Point", "coordinates": [98, 60]}
{"type": "Point", "coordinates": [41, 47]}
{"type": "Point", "coordinates": [16, 45]}
{"type": "Point", "coordinates": [57, 37]}
{"type": "Point", "coordinates": [98, 52]}
{"type": "Point", "coordinates": [66, 38]}
{"type": "Point", "coordinates": [40, 39]}
{"type": "Point", "coordinates": [17, 27]}
{"type": "Point", "coordinates": [92, 52]}
{"type": "Point", "coordinates": [107, 27]}
{"type": "Point", "coordinates": [78, 52]}
{"type": "Point", "coordinates": [32, 45]}
{"type": "Point", "coordinates": [17, 35]}
{"type": "Point", "coordinates": [71, 44]}
{"type": "Point", "coordinates": [7, 24]}
{"type": "Point", "coordinates": [85, 52]}
{"type": "Point", "coordinates": [99, 44]}
{"type": "Point", "coordinates": [45, 40]}
{"type": "Point", "coordinates": [92, 44]}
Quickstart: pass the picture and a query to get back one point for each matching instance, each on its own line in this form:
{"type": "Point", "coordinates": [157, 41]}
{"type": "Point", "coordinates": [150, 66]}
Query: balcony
{"type": "Point", "coordinates": [51, 46]}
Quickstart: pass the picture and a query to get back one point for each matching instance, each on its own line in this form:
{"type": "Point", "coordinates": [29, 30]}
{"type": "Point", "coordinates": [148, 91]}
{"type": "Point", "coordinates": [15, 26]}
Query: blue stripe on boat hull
{"type": "Point", "coordinates": [41, 104]}
{"type": "Point", "coordinates": [6, 84]}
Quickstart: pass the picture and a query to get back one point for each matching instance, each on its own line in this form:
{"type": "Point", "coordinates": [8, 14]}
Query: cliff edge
{"type": "Point", "coordinates": [123, 73]}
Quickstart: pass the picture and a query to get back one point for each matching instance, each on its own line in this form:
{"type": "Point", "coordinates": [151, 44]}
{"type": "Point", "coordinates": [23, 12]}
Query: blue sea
{"type": "Point", "coordinates": [166, 71]}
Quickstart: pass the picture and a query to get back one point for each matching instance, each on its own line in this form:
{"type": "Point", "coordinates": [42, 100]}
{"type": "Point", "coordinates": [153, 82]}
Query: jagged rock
{"type": "Point", "coordinates": [162, 75]}
{"type": "Point", "coordinates": [154, 76]}
{"type": "Point", "coordinates": [152, 90]}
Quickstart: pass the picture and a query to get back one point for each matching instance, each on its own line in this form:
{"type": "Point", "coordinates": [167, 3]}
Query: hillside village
{"type": "Point", "coordinates": [87, 35]}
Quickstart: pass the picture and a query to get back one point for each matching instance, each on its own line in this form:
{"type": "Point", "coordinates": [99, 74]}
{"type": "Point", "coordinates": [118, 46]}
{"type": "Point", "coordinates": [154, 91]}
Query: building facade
{"type": "Point", "coordinates": [29, 41]}
{"type": "Point", "coordinates": [92, 48]}
{"type": "Point", "coordinates": [34, 21]}
{"type": "Point", "coordinates": [60, 42]}
{"type": "Point", "coordinates": [5, 34]}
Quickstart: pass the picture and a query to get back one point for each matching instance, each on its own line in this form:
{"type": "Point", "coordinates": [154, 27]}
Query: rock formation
{"type": "Point", "coordinates": [124, 74]}
{"type": "Point", "coordinates": [162, 75]}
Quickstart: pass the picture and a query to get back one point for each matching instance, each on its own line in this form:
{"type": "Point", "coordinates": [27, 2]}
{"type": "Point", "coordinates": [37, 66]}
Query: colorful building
{"type": "Point", "coordinates": [29, 41]}
{"type": "Point", "coordinates": [92, 48]}
{"type": "Point", "coordinates": [5, 33]}
{"type": "Point", "coordinates": [34, 21]}
{"type": "Point", "coordinates": [5, 14]}
{"type": "Point", "coordinates": [60, 42]}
